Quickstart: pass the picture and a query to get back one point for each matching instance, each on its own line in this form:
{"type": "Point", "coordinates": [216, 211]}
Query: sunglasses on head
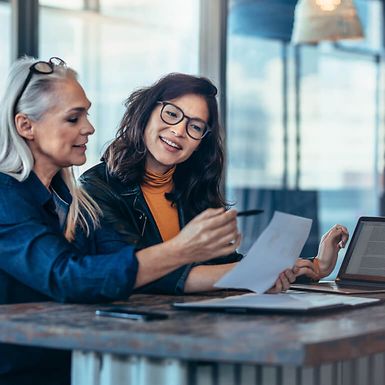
{"type": "Point", "coordinates": [42, 68]}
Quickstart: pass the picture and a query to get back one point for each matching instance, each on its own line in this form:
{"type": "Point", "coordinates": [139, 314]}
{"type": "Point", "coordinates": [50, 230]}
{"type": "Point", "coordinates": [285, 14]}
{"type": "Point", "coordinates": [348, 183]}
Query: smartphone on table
{"type": "Point", "coordinates": [131, 314]}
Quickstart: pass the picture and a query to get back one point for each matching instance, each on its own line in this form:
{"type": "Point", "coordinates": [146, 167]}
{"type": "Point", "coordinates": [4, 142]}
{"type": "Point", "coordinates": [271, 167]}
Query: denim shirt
{"type": "Point", "coordinates": [38, 264]}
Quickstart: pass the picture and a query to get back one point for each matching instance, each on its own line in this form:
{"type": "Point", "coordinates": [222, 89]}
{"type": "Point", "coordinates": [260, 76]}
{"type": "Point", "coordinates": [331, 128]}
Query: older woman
{"type": "Point", "coordinates": [162, 170]}
{"type": "Point", "coordinates": [44, 130]}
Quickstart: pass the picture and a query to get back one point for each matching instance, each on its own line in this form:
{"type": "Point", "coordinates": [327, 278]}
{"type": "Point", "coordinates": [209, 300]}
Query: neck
{"type": "Point", "coordinates": [155, 167]}
{"type": "Point", "coordinates": [45, 174]}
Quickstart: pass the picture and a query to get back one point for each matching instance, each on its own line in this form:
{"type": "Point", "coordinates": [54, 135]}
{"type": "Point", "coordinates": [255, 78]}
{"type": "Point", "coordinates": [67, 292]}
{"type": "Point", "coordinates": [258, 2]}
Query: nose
{"type": "Point", "coordinates": [179, 129]}
{"type": "Point", "coordinates": [87, 129]}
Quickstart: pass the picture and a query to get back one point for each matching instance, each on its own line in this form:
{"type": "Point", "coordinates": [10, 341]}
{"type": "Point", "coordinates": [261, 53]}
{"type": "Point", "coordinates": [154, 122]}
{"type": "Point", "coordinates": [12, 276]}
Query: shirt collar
{"type": "Point", "coordinates": [40, 192]}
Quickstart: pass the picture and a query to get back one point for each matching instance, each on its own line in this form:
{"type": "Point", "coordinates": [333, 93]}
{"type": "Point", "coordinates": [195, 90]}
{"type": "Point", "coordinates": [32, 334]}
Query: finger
{"type": "Point", "coordinates": [208, 213]}
{"type": "Point", "coordinates": [290, 276]}
{"type": "Point", "coordinates": [342, 233]}
{"type": "Point", "coordinates": [331, 231]}
{"type": "Point", "coordinates": [308, 272]}
{"type": "Point", "coordinates": [216, 240]}
{"type": "Point", "coordinates": [220, 220]}
{"type": "Point", "coordinates": [229, 247]}
{"type": "Point", "coordinates": [219, 239]}
{"type": "Point", "coordinates": [301, 262]}
{"type": "Point", "coordinates": [232, 239]}
{"type": "Point", "coordinates": [340, 228]}
{"type": "Point", "coordinates": [223, 231]}
{"type": "Point", "coordinates": [277, 287]}
{"type": "Point", "coordinates": [284, 282]}
{"type": "Point", "coordinates": [344, 236]}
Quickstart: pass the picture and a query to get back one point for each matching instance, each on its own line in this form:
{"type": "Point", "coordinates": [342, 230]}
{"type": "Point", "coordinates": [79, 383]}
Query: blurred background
{"type": "Point", "coordinates": [304, 123]}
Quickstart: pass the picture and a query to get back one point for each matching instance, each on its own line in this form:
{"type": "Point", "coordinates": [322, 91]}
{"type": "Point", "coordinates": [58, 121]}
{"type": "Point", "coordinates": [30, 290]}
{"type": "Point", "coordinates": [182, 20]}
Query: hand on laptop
{"type": "Point", "coordinates": [323, 264]}
{"type": "Point", "coordinates": [331, 243]}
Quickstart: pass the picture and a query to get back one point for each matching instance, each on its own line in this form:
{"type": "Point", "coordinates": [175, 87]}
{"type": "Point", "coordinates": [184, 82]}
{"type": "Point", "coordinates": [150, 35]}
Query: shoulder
{"type": "Point", "coordinates": [98, 181]}
{"type": "Point", "coordinates": [7, 181]}
{"type": "Point", "coordinates": [98, 172]}
{"type": "Point", "coordinates": [101, 186]}
{"type": "Point", "coordinates": [95, 179]}
{"type": "Point", "coordinates": [10, 186]}
{"type": "Point", "coordinates": [16, 200]}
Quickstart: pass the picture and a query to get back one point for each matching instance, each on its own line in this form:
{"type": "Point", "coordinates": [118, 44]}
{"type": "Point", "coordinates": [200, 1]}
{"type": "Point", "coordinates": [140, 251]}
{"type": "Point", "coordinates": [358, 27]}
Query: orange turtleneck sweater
{"type": "Point", "coordinates": [154, 188]}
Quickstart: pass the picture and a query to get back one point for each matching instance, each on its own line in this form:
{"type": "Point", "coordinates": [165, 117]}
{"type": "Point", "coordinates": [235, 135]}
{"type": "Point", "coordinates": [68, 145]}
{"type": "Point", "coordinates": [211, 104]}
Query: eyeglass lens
{"type": "Point", "coordinates": [57, 61]}
{"type": "Point", "coordinates": [173, 115]}
{"type": "Point", "coordinates": [43, 67]}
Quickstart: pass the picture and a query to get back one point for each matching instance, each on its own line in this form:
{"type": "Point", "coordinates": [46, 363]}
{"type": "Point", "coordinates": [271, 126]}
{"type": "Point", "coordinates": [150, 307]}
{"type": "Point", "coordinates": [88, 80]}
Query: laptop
{"type": "Point", "coordinates": [363, 268]}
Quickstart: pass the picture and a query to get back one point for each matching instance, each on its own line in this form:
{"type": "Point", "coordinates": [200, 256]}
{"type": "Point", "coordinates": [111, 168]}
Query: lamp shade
{"type": "Point", "coordinates": [317, 20]}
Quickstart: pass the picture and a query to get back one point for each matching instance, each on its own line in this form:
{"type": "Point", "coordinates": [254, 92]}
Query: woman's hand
{"type": "Point", "coordinates": [210, 234]}
{"type": "Point", "coordinates": [331, 243]}
{"type": "Point", "coordinates": [283, 281]}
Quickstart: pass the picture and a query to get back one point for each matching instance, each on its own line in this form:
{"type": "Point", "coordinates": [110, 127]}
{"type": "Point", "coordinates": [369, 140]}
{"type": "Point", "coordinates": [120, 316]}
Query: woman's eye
{"type": "Point", "coordinates": [196, 128]}
{"type": "Point", "coordinates": [73, 119]}
{"type": "Point", "coordinates": [171, 114]}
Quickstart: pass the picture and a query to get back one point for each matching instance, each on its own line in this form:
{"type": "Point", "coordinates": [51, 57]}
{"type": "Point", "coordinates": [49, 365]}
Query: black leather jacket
{"type": "Point", "coordinates": [128, 219]}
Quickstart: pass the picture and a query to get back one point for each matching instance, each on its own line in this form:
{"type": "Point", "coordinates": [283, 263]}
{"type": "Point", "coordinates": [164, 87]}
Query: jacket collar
{"type": "Point", "coordinates": [133, 192]}
{"type": "Point", "coordinates": [40, 193]}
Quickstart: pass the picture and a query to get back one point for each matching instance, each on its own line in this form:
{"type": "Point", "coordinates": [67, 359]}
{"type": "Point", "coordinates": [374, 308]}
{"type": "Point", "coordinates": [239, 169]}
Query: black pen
{"type": "Point", "coordinates": [249, 212]}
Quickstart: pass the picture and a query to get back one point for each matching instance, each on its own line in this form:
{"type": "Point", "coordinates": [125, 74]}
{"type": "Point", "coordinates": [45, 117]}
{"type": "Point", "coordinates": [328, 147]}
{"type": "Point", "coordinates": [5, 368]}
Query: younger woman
{"type": "Point", "coordinates": [162, 171]}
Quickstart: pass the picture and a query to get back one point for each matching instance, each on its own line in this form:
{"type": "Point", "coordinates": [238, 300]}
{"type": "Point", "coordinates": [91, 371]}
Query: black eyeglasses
{"type": "Point", "coordinates": [171, 114]}
{"type": "Point", "coordinates": [40, 67]}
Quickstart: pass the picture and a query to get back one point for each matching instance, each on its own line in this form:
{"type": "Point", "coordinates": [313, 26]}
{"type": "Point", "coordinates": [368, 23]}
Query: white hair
{"type": "Point", "coordinates": [16, 158]}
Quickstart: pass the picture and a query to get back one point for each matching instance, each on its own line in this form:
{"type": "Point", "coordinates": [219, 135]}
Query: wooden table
{"type": "Point", "coordinates": [336, 347]}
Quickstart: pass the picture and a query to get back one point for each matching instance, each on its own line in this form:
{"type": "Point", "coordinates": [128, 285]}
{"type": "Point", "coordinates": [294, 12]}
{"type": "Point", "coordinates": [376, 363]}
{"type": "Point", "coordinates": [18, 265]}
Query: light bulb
{"type": "Point", "coordinates": [328, 5]}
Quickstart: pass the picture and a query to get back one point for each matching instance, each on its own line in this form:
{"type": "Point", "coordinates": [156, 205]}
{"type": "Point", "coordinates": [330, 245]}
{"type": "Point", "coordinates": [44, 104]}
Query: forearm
{"type": "Point", "coordinates": [156, 261]}
{"type": "Point", "coordinates": [203, 277]}
{"type": "Point", "coordinates": [209, 235]}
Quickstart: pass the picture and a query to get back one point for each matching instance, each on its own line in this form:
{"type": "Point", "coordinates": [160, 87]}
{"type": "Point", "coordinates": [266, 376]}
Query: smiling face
{"type": "Point", "coordinates": [58, 139]}
{"type": "Point", "coordinates": [168, 145]}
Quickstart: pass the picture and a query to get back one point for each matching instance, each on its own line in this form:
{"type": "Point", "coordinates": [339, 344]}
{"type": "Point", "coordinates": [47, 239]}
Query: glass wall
{"type": "Point", "coordinates": [339, 131]}
{"type": "Point", "coordinates": [119, 47]}
{"type": "Point", "coordinates": [5, 40]}
{"type": "Point", "coordinates": [305, 125]}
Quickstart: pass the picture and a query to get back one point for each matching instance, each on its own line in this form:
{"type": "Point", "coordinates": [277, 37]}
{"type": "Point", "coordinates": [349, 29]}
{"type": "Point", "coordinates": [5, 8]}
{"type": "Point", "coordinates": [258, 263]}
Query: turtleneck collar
{"type": "Point", "coordinates": [159, 182]}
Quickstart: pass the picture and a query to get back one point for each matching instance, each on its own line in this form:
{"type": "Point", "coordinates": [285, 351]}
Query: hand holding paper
{"type": "Point", "coordinates": [275, 250]}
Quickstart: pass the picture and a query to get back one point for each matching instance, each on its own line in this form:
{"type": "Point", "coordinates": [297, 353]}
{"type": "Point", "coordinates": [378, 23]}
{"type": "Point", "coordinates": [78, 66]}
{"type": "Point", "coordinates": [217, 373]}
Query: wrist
{"type": "Point", "coordinates": [321, 267]}
{"type": "Point", "coordinates": [175, 251]}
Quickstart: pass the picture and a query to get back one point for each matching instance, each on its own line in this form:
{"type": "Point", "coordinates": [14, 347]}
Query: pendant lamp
{"type": "Point", "coordinates": [317, 20]}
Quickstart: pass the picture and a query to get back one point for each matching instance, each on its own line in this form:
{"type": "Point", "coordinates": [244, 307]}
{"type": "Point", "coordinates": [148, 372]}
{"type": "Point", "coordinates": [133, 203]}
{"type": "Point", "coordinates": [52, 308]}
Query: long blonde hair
{"type": "Point", "coordinates": [16, 159]}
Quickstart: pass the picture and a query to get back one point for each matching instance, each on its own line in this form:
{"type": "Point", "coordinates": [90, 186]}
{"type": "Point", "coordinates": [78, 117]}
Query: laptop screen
{"type": "Point", "coordinates": [365, 257]}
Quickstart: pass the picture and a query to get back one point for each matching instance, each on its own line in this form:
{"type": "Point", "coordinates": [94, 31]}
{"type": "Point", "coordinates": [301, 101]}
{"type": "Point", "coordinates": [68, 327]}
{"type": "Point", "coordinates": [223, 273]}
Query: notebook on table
{"type": "Point", "coordinates": [363, 268]}
{"type": "Point", "coordinates": [289, 302]}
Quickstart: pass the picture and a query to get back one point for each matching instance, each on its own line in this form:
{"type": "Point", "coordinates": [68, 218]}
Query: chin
{"type": "Point", "coordinates": [166, 161]}
{"type": "Point", "coordinates": [79, 162]}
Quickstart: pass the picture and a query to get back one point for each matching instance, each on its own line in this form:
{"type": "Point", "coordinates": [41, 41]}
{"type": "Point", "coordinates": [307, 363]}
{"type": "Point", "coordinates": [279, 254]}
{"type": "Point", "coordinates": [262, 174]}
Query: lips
{"type": "Point", "coordinates": [170, 143]}
{"type": "Point", "coordinates": [81, 146]}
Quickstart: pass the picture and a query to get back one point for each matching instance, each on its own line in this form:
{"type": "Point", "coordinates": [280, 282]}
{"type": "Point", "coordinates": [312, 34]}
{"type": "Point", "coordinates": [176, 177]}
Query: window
{"type": "Point", "coordinates": [119, 47]}
{"type": "Point", "coordinates": [339, 132]}
{"type": "Point", "coordinates": [303, 121]}
{"type": "Point", "coordinates": [5, 40]}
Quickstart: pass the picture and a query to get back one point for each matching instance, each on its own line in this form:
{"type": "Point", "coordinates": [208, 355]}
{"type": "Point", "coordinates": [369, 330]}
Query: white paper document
{"type": "Point", "coordinates": [275, 250]}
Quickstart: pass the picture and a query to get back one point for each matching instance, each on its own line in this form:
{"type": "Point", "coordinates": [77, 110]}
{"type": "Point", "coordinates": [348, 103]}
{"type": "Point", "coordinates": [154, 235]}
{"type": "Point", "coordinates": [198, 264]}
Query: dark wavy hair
{"type": "Point", "coordinates": [196, 180]}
